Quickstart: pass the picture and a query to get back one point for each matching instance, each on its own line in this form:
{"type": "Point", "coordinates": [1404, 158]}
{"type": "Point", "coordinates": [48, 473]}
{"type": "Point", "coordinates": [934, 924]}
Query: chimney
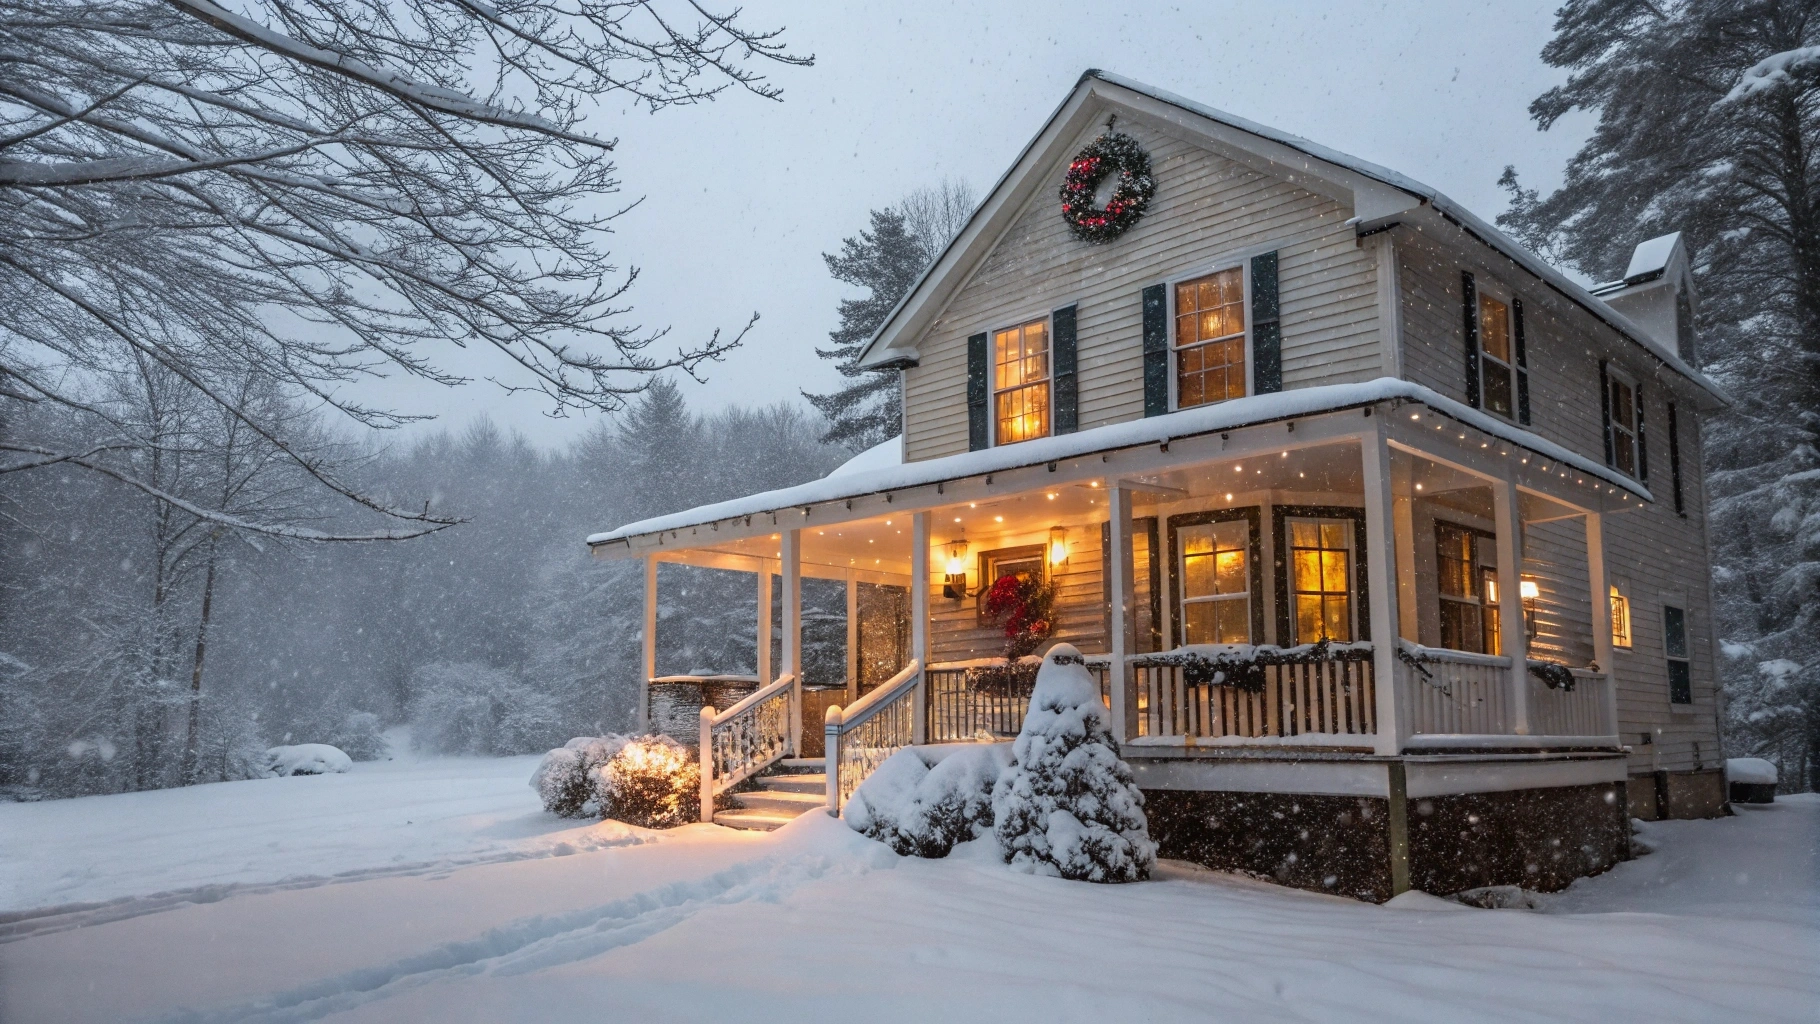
{"type": "Point", "coordinates": [1657, 294]}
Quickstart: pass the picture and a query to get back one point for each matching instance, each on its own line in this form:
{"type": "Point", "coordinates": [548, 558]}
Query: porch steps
{"type": "Point", "coordinates": [780, 799]}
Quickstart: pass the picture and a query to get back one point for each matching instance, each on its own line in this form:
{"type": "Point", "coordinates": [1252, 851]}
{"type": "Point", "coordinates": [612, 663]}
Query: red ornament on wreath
{"type": "Point", "coordinates": [1112, 153]}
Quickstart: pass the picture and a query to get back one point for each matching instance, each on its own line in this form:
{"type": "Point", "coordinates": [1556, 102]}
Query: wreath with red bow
{"type": "Point", "coordinates": [1111, 153]}
{"type": "Point", "coordinates": [1024, 604]}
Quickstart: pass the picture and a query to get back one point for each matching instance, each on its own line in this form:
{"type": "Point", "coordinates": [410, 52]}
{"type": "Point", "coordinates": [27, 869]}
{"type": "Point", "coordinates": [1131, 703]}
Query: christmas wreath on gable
{"type": "Point", "coordinates": [1023, 603]}
{"type": "Point", "coordinates": [1112, 153]}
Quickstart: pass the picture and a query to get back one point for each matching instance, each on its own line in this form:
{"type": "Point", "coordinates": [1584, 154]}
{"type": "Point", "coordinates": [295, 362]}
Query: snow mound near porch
{"type": "Point", "coordinates": [882, 455]}
{"type": "Point", "coordinates": [924, 811]}
{"type": "Point", "coordinates": [1752, 771]}
{"type": "Point", "coordinates": [306, 759]}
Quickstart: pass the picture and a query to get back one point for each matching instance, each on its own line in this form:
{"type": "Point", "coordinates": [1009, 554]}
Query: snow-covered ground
{"type": "Point", "coordinates": [453, 898]}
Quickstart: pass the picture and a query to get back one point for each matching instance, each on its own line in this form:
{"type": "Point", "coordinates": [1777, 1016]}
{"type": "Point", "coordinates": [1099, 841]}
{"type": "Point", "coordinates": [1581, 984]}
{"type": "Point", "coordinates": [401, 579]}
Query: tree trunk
{"type": "Point", "coordinates": [191, 740]}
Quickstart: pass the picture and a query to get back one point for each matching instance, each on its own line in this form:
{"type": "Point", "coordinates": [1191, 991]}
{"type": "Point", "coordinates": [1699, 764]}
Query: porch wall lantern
{"type": "Point", "coordinates": [1058, 545]}
{"type": "Point", "coordinates": [1528, 590]}
{"type": "Point", "coordinates": [955, 586]}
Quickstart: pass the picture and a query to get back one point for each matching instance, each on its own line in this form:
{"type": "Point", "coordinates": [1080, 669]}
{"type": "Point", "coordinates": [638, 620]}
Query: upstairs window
{"type": "Point", "coordinates": [1468, 568]}
{"type": "Point", "coordinates": [1496, 372]}
{"type": "Point", "coordinates": [1623, 405]}
{"type": "Point", "coordinates": [1020, 381]}
{"type": "Point", "coordinates": [1210, 338]}
{"type": "Point", "coordinates": [1321, 559]}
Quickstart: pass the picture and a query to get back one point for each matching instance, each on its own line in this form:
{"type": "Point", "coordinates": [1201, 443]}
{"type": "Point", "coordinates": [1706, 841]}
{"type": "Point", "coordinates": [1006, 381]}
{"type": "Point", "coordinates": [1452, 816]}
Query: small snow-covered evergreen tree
{"type": "Point", "coordinates": [1068, 806]}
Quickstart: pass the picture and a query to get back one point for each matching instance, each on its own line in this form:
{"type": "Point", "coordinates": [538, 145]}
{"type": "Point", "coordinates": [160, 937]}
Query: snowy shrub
{"type": "Point", "coordinates": [564, 779]}
{"type": "Point", "coordinates": [306, 759]}
{"type": "Point", "coordinates": [923, 812]}
{"type": "Point", "coordinates": [651, 781]}
{"type": "Point", "coordinates": [471, 708]}
{"type": "Point", "coordinates": [1067, 805]}
{"type": "Point", "coordinates": [360, 737]}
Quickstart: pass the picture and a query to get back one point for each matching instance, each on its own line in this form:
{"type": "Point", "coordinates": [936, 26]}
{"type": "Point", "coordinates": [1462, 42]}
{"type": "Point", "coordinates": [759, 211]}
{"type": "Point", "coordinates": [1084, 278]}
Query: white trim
{"type": "Point", "coordinates": [1427, 778]}
{"type": "Point", "coordinates": [992, 389]}
{"type": "Point", "coordinates": [1317, 778]}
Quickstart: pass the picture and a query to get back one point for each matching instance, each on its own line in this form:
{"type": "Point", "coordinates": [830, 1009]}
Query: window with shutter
{"type": "Point", "coordinates": [1020, 382]}
{"type": "Point", "coordinates": [1674, 648]}
{"type": "Point", "coordinates": [977, 427]}
{"type": "Point", "coordinates": [1156, 350]}
{"type": "Point", "coordinates": [1621, 408]}
{"type": "Point", "coordinates": [1067, 387]}
{"type": "Point", "coordinates": [1210, 338]}
{"type": "Point", "coordinates": [1674, 459]}
{"type": "Point", "coordinates": [1470, 291]}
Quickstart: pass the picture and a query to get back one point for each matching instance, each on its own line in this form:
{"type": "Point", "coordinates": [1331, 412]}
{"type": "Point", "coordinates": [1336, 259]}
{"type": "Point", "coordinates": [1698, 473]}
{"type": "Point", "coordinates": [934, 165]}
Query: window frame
{"type": "Point", "coordinates": [1239, 261]}
{"type": "Point", "coordinates": [1486, 288]}
{"type": "Point", "coordinates": [1360, 566]}
{"type": "Point", "coordinates": [1676, 603]}
{"type": "Point", "coordinates": [989, 562]}
{"type": "Point", "coordinates": [993, 390]}
{"type": "Point", "coordinates": [1253, 516]}
{"type": "Point", "coordinates": [1623, 624]}
{"type": "Point", "coordinates": [1489, 626]}
{"type": "Point", "coordinates": [1613, 377]}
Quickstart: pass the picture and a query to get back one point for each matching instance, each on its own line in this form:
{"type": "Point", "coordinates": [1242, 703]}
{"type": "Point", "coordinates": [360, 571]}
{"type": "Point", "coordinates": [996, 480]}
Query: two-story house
{"type": "Point", "coordinates": [1265, 405]}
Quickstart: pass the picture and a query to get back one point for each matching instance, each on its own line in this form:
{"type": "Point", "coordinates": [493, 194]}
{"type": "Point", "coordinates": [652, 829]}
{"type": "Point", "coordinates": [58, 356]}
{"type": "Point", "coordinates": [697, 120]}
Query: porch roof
{"type": "Point", "coordinates": [1230, 415]}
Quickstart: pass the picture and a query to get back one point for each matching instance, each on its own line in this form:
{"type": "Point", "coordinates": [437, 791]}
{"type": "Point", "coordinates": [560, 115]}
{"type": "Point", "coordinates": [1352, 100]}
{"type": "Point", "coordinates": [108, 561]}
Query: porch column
{"type": "Point", "coordinates": [1381, 586]}
{"type": "Point", "coordinates": [919, 621]}
{"type": "Point", "coordinates": [650, 645]}
{"type": "Point", "coordinates": [765, 678]}
{"type": "Point", "coordinates": [1601, 613]}
{"type": "Point", "coordinates": [852, 638]}
{"type": "Point", "coordinates": [1513, 636]}
{"type": "Point", "coordinates": [1121, 596]}
{"type": "Point", "coordinates": [791, 555]}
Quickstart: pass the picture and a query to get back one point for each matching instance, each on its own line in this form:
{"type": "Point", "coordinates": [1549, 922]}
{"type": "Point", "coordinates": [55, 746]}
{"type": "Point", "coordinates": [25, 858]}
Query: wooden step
{"type": "Point", "coordinates": [817, 784]}
{"type": "Point", "coordinates": [801, 763]}
{"type": "Point", "coordinates": [779, 802]}
{"type": "Point", "coordinates": [758, 821]}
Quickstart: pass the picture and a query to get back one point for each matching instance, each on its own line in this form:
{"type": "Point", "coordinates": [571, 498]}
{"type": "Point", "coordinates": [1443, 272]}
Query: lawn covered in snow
{"type": "Point", "coordinates": [437, 890]}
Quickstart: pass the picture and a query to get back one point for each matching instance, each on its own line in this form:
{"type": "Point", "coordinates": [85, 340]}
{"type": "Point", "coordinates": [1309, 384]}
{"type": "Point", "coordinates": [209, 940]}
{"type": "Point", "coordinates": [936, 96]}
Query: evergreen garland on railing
{"type": "Point", "coordinates": [1244, 668]}
{"type": "Point", "coordinates": [1553, 674]}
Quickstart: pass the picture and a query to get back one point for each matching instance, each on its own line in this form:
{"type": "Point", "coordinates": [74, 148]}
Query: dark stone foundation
{"type": "Point", "coordinates": [1540, 839]}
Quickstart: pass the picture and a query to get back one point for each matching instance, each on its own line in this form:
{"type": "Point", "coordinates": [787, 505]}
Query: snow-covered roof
{"type": "Point", "coordinates": [1206, 419]}
{"type": "Point", "coordinates": [1447, 208]}
{"type": "Point", "coordinates": [879, 456]}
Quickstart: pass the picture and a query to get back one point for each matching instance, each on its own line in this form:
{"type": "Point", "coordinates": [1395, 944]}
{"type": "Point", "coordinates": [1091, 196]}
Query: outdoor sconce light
{"type": "Point", "coordinates": [1529, 592]}
{"type": "Point", "coordinates": [1058, 545]}
{"type": "Point", "coordinates": [955, 586]}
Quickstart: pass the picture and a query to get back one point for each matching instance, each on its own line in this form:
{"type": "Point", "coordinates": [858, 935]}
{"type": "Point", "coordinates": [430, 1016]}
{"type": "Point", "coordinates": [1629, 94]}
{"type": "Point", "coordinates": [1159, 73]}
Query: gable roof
{"type": "Point", "coordinates": [1379, 197]}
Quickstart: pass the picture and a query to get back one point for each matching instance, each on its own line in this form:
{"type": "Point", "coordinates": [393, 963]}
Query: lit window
{"type": "Point", "coordinates": [1495, 373]}
{"type": "Point", "coordinates": [1674, 645]}
{"type": "Point", "coordinates": [1624, 426]}
{"type": "Point", "coordinates": [1020, 381]}
{"type": "Point", "coordinates": [1210, 338]}
{"type": "Point", "coordinates": [1321, 556]}
{"type": "Point", "coordinates": [1216, 583]}
{"type": "Point", "coordinates": [1468, 568]}
{"type": "Point", "coordinates": [1620, 618]}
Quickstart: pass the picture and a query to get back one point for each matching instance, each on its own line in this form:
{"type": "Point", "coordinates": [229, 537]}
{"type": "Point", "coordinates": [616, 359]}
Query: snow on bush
{"type": "Point", "coordinates": [921, 811]}
{"type": "Point", "coordinates": [1067, 805]}
{"type": "Point", "coordinates": [306, 759]}
{"type": "Point", "coordinates": [564, 779]}
{"type": "Point", "coordinates": [651, 781]}
{"type": "Point", "coordinates": [360, 737]}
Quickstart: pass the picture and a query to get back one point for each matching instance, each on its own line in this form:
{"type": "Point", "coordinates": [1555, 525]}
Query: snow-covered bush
{"type": "Point", "coordinates": [471, 708]}
{"type": "Point", "coordinates": [306, 759]}
{"type": "Point", "coordinates": [921, 811]}
{"type": "Point", "coordinates": [651, 781]}
{"type": "Point", "coordinates": [360, 737]}
{"type": "Point", "coordinates": [1067, 805]}
{"type": "Point", "coordinates": [565, 780]}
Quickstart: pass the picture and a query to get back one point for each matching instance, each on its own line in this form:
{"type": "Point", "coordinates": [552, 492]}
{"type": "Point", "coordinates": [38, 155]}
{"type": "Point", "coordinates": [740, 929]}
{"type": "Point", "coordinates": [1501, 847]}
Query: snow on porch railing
{"type": "Point", "coordinates": [1454, 693]}
{"type": "Point", "coordinates": [1305, 694]}
{"type": "Point", "coordinates": [878, 725]}
{"type": "Point", "coordinates": [747, 738]}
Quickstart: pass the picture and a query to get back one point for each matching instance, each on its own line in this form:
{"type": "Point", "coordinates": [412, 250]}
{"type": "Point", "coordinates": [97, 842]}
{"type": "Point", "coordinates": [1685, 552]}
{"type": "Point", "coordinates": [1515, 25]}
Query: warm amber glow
{"type": "Point", "coordinates": [1210, 338]}
{"type": "Point", "coordinates": [1020, 381]}
{"type": "Point", "coordinates": [1058, 545]}
{"type": "Point", "coordinates": [1529, 590]}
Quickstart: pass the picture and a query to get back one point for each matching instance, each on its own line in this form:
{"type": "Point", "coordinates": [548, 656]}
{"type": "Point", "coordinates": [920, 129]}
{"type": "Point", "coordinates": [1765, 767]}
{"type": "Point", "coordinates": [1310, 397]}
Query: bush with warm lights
{"type": "Point", "coordinates": [565, 776]}
{"type": "Point", "coordinates": [652, 781]}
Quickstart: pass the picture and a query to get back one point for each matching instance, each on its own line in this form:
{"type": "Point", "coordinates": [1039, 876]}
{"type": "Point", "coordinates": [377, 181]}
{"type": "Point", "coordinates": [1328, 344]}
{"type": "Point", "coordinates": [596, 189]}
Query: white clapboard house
{"type": "Point", "coordinates": [1297, 398]}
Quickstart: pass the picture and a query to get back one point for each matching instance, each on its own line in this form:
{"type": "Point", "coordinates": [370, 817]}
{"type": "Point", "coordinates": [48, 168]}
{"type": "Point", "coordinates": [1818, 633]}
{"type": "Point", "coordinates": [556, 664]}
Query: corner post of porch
{"type": "Point", "coordinates": [1121, 595]}
{"type": "Point", "coordinates": [852, 638]}
{"type": "Point", "coordinates": [919, 622]}
{"type": "Point", "coordinates": [791, 554]}
{"type": "Point", "coordinates": [1513, 634]}
{"type": "Point", "coordinates": [1601, 613]}
{"type": "Point", "coordinates": [1381, 583]}
{"type": "Point", "coordinates": [650, 645]}
{"type": "Point", "coordinates": [765, 676]}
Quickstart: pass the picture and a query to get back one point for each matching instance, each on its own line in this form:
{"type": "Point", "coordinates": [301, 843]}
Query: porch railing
{"type": "Point", "coordinates": [981, 700]}
{"type": "Point", "coordinates": [858, 739]}
{"type": "Point", "coordinates": [1329, 702]}
{"type": "Point", "coordinates": [747, 738]}
{"type": "Point", "coordinates": [1462, 699]}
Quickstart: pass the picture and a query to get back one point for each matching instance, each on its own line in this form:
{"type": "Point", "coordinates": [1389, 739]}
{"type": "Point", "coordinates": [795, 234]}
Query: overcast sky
{"type": "Point", "coordinates": [741, 196]}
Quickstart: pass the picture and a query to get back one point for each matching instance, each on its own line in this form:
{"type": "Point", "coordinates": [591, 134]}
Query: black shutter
{"type": "Point", "coordinates": [1470, 291]}
{"type": "Point", "coordinates": [1674, 459]}
{"type": "Point", "coordinates": [1156, 350]}
{"type": "Point", "coordinates": [1067, 388]}
{"type": "Point", "coordinates": [976, 392]}
{"type": "Point", "coordinates": [1516, 323]}
{"type": "Point", "coordinates": [1605, 408]}
{"type": "Point", "coordinates": [1266, 325]}
{"type": "Point", "coordinates": [1642, 445]}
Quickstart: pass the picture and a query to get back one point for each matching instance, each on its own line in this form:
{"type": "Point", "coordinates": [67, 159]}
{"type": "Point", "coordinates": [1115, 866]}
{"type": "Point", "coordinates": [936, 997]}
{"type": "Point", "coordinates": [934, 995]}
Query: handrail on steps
{"type": "Point", "coordinates": [711, 721]}
{"type": "Point", "coordinates": [837, 723]}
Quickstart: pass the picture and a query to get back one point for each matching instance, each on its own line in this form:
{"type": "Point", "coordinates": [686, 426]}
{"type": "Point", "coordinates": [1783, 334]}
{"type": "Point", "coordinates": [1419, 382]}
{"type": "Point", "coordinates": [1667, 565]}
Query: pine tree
{"type": "Point", "coordinates": [885, 261]}
{"type": "Point", "coordinates": [1709, 124]}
